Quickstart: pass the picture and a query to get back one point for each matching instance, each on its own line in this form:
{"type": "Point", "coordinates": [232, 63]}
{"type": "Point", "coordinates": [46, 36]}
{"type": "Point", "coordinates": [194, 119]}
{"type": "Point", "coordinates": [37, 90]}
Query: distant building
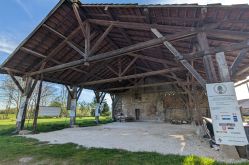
{"type": "Point", "coordinates": [245, 106]}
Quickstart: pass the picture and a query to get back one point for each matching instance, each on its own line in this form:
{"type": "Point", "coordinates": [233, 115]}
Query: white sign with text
{"type": "Point", "coordinates": [225, 113]}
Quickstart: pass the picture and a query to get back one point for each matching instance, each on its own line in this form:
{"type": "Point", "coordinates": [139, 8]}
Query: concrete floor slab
{"type": "Point", "coordinates": [137, 136]}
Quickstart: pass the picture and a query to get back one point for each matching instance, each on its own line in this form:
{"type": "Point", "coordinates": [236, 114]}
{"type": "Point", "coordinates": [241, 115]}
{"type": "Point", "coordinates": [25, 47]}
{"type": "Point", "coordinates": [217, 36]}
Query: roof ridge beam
{"type": "Point", "coordinates": [146, 74]}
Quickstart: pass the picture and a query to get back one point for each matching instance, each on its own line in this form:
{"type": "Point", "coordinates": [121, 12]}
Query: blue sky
{"type": "Point", "coordinates": [19, 17]}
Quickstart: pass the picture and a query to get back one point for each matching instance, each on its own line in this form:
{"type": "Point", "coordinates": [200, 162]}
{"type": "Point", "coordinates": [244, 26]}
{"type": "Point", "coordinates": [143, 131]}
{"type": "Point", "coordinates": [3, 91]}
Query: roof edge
{"type": "Point", "coordinates": [34, 31]}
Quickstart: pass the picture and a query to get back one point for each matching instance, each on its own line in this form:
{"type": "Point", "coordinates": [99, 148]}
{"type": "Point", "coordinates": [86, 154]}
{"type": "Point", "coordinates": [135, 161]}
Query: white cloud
{"type": "Point", "coordinates": [24, 7]}
{"type": "Point", "coordinates": [203, 2]}
{"type": "Point", "coordinates": [7, 43]}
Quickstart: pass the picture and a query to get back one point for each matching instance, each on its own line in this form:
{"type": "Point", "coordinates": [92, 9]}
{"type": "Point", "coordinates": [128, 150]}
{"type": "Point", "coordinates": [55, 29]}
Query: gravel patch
{"type": "Point", "coordinates": [137, 136]}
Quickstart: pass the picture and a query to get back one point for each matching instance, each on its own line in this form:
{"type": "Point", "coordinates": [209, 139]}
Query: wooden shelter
{"type": "Point", "coordinates": [115, 47]}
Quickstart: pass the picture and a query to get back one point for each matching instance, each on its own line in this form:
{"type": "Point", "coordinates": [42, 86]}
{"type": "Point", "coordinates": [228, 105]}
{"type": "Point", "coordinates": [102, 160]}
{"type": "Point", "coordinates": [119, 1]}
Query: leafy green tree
{"type": "Point", "coordinates": [106, 110]}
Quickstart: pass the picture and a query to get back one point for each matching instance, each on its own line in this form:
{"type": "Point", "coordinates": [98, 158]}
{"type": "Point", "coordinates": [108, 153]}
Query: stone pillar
{"type": "Point", "coordinates": [73, 105]}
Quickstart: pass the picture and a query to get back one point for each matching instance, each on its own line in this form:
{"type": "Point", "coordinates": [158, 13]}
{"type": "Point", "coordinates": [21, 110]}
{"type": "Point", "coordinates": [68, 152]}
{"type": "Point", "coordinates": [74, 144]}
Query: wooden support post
{"type": "Point", "coordinates": [99, 98]}
{"type": "Point", "coordinates": [115, 100]}
{"type": "Point", "coordinates": [73, 106]}
{"type": "Point", "coordinates": [225, 77]}
{"type": "Point", "coordinates": [23, 105]}
{"type": "Point", "coordinates": [222, 66]}
{"type": "Point", "coordinates": [207, 59]}
{"type": "Point", "coordinates": [37, 107]}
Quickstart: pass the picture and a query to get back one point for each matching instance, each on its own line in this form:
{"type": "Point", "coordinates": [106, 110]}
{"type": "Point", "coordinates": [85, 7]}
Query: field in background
{"type": "Point", "coordinates": [16, 149]}
{"type": "Point", "coordinates": [48, 124]}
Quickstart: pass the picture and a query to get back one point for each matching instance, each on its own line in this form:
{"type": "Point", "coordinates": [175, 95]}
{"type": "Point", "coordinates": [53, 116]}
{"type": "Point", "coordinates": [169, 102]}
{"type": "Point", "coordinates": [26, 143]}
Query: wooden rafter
{"type": "Point", "coordinates": [99, 41]}
{"type": "Point", "coordinates": [119, 52]}
{"type": "Point", "coordinates": [152, 73]}
{"type": "Point", "coordinates": [77, 15]}
{"type": "Point", "coordinates": [229, 48]}
{"type": "Point", "coordinates": [87, 38]}
{"type": "Point", "coordinates": [51, 59]}
{"type": "Point", "coordinates": [59, 46]}
{"type": "Point", "coordinates": [145, 85]}
{"type": "Point", "coordinates": [128, 66]}
{"type": "Point", "coordinates": [112, 70]}
{"type": "Point", "coordinates": [16, 82]}
{"type": "Point", "coordinates": [184, 62]}
{"type": "Point", "coordinates": [71, 44]}
{"type": "Point", "coordinates": [209, 28]}
{"type": "Point", "coordinates": [234, 67]}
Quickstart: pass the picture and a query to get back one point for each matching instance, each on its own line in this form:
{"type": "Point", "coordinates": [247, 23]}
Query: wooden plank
{"type": "Point", "coordinates": [179, 57]}
{"type": "Point", "coordinates": [234, 67]}
{"type": "Point", "coordinates": [100, 40]}
{"type": "Point", "coordinates": [152, 73]}
{"type": "Point", "coordinates": [222, 66]}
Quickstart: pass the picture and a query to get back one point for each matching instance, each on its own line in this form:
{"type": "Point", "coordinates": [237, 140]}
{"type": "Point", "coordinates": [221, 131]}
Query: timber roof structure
{"type": "Point", "coordinates": [117, 46]}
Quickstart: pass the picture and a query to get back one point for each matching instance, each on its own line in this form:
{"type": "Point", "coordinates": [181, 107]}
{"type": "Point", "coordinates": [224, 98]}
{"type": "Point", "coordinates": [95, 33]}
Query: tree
{"type": "Point", "coordinates": [10, 94]}
{"type": "Point", "coordinates": [84, 109]}
{"type": "Point", "coordinates": [106, 110]}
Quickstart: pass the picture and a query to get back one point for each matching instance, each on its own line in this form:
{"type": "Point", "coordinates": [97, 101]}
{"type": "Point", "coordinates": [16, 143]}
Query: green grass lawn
{"type": "Point", "coordinates": [13, 148]}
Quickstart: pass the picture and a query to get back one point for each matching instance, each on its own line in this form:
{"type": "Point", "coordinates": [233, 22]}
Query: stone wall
{"type": "Point", "coordinates": [157, 106]}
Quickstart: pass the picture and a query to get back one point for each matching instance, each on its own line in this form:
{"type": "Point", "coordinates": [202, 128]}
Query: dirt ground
{"type": "Point", "coordinates": [137, 136]}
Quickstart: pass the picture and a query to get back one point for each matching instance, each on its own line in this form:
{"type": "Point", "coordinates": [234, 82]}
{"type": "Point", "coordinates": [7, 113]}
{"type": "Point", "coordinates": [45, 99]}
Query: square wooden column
{"type": "Point", "coordinates": [73, 105]}
{"type": "Point", "coordinates": [20, 120]}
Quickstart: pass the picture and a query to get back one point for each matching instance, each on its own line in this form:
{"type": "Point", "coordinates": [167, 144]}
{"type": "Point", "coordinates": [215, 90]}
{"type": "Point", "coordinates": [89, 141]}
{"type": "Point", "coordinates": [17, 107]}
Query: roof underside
{"type": "Point", "coordinates": [168, 19]}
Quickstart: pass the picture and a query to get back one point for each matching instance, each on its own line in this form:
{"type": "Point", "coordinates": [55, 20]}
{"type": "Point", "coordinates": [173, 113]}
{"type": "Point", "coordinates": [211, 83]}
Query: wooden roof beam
{"type": "Point", "coordinates": [59, 46]}
{"type": "Point", "coordinates": [128, 66]}
{"type": "Point", "coordinates": [153, 59]}
{"type": "Point", "coordinates": [71, 44]}
{"type": "Point", "coordinates": [234, 67]}
{"type": "Point", "coordinates": [212, 51]}
{"type": "Point", "coordinates": [178, 56]}
{"type": "Point", "coordinates": [77, 15]}
{"type": "Point", "coordinates": [31, 52]}
{"type": "Point", "coordinates": [16, 82]}
{"type": "Point", "coordinates": [99, 41]}
{"type": "Point", "coordinates": [119, 52]}
{"type": "Point", "coordinates": [152, 73]}
{"type": "Point", "coordinates": [144, 86]}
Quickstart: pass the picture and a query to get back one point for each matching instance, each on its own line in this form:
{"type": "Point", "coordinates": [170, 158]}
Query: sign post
{"type": "Point", "coordinates": [225, 113]}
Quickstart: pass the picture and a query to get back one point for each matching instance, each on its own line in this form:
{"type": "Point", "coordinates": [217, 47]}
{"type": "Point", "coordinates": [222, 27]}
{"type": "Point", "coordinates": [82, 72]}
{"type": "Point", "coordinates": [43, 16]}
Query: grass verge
{"type": "Point", "coordinates": [13, 149]}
